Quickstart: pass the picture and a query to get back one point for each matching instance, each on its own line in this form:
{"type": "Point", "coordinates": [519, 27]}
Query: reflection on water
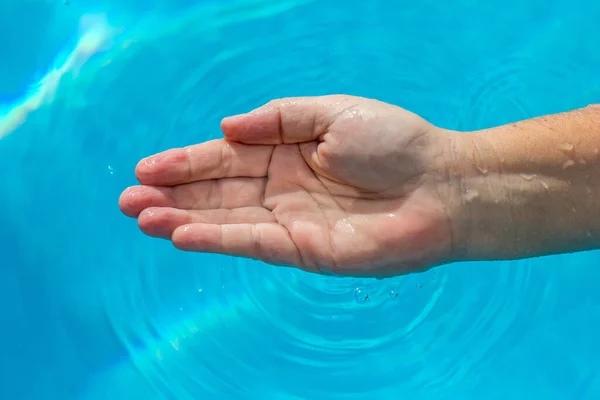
{"type": "Point", "coordinates": [94, 309]}
{"type": "Point", "coordinates": [95, 36]}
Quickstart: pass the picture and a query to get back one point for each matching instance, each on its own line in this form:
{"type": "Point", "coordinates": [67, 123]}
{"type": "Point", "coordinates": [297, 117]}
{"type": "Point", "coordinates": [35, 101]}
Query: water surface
{"type": "Point", "coordinates": [91, 309]}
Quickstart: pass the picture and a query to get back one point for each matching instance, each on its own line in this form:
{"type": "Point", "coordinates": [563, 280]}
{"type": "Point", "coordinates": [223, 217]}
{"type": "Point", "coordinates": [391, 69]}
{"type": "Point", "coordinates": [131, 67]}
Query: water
{"type": "Point", "coordinates": [91, 309]}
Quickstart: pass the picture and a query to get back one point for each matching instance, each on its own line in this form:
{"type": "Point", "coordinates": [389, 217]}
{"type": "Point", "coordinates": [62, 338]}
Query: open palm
{"type": "Point", "coordinates": [334, 184]}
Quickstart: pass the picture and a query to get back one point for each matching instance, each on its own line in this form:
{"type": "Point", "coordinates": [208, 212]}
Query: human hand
{"type": "Point", "coordinates": [334, 184]}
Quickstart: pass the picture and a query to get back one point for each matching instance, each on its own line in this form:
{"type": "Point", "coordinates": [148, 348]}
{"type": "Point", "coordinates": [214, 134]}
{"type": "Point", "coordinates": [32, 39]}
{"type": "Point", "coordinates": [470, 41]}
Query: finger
{"type": "Point", "coordinates": [211, 160]}
{"type": "Point", "coordinates": [162, 221]}
{"type": "Point", "coordinates": [268, 242]}
{"type": "Point", "coordinates": [204, 195]}
{"type": "Point", "coordinates": [289, 120]}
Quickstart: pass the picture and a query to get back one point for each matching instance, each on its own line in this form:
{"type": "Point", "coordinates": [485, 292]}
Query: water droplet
{"type": "Point", "coordinates": [471, 195]}
{"type": "Point", "coordinates": [149, 161]}
{"type": "Point", "coordinates": [393, 294]}
{"type": "Point", "coordinates": [568, 163]}
{"type": "Point", "coordinates": [361, 296]}
{"type": "Point", "coordinates": [419, 285]}
{"type": "Point", "coordinates": [111, 170]}
{"type": "Point", "coordinates": [528, 177]}
{"type": "Point", "coordinates": [482, 170]}
{"type": "Point", "coordinates": [566, 147]}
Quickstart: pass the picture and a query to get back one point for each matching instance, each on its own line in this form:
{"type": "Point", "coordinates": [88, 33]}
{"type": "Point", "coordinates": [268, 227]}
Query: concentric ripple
{"type": "Point", "coordinates": [241, 329]}
{"type": "Point", "coordinates": [234, 328]}
{"type": "Point", "coordinates": [198, 326]}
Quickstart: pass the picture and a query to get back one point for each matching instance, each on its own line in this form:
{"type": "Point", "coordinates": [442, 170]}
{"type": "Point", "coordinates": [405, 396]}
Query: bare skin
{"type": "Point", "coordinates": [353, 186]}
{"type": "Point", "coordinates": [534, 187]}
{"type": "Point", "coordinates": [333, 184]}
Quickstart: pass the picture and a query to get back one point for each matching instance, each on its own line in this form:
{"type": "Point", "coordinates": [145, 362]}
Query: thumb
{"type": "Point", "coordinates": [288, 120]}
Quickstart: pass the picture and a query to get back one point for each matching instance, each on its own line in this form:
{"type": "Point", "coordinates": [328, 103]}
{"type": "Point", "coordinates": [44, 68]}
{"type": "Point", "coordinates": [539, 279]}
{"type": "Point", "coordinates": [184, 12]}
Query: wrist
{"type": "Point", "coordinates": [526, 189]}
{"type": "Point", "coordinates": [479, 205]}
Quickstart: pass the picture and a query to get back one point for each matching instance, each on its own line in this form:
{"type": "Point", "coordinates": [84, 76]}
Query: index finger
{"type": "Point", "coordinates": [214, 159]}
{"type": "Point", "coordinates": [287, 120]}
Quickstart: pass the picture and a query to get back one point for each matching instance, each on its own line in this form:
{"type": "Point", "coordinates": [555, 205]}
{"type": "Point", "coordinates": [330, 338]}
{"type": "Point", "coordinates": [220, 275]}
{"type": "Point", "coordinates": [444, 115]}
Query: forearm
{"type": "Point", "coordinates": [530, 188]}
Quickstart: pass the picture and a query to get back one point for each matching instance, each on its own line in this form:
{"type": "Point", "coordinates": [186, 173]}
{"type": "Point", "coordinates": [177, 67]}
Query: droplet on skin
{"type": "Point", "coordinates": [149, 161]}
{"type": "Point", "coordinates": [568, 163]}
{"type": "Point", "coordinates": [528, 177]}
{"type": "Point", "coordinates": [566, 147]}
{"type": "Point", "coordinates": [476, 156]}
{"type": "Point", "coordinates": [471, 195]}
{"type": "Point", "coordinates": [482, 170]}
{"type": "Point", "coordinates": [393, 294]}
{"type": "Point", "coordinates": [344, 225]}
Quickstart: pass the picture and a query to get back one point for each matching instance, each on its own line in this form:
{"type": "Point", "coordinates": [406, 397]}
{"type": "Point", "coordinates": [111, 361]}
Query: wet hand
{"type": "Point", "coordinates": [334, 184]}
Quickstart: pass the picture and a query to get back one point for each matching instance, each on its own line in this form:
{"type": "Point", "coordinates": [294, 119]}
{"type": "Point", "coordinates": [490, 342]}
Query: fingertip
{"type": "Point", "coordinates": [135, 199]}
{"type": "Point", "coordinates": [127, 202]}
{"type": "Point", "coordinates": [197, 237]}
{"type": "Point", "coordinates": [232, 126]}
{"type": "Point", "coordinates": [143, 168]}
{"type": "Point", "coordinates": [162, 168]}
{"type": "Point", "coordinates": [182, 238]}
{"type": "Point", "coordinates": [230, 122]}
{"type": "Point", "coordinates": [161, 222]}
{"type": "Point", "coordinates": [260, 126]}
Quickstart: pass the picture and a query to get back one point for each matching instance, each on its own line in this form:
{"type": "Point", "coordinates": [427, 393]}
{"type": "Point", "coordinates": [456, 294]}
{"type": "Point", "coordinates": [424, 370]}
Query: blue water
{"type": "Point", "coordinates": [92, 309]}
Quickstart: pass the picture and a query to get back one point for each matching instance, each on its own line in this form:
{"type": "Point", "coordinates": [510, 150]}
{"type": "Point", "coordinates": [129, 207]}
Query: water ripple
{"type": "Point", "coordinates": [199, 325]}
